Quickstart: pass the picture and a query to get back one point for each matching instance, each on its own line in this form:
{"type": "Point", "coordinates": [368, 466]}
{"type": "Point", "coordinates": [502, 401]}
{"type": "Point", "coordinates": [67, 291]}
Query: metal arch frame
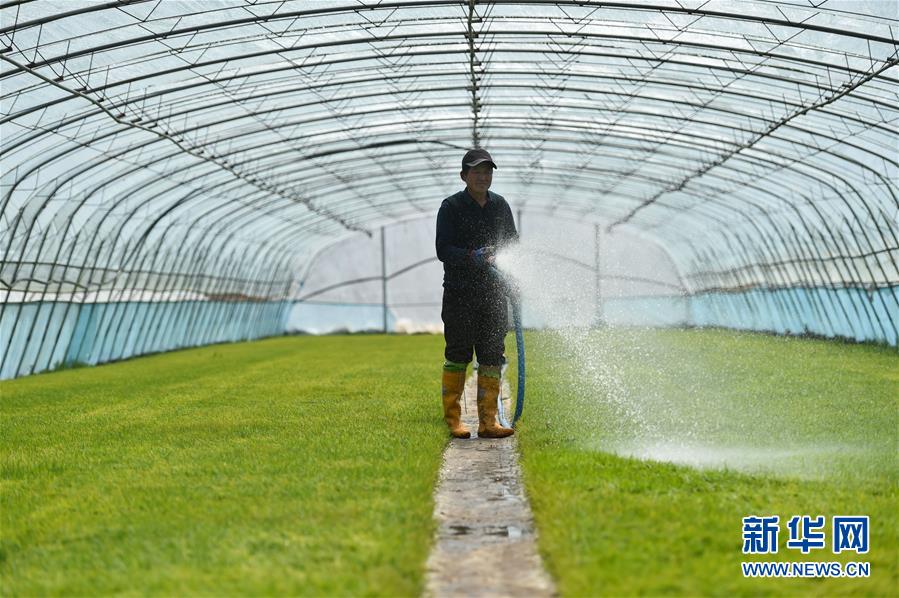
{"type": "Point", "coordinates": [291, 124]}
{"type": "Point", "coordinates": [295, 15]}
{"type": "Point", "coordinates": [367, 57]}
{"type": "Point", "coordinates": [776, 228]}
{"type": "Point", "coordinates": [295, 123]}
{"type": "Point", "coordinates": [80, 117]}
{"type": "Point", "coordinates": [177, 142]}
{"type": "Point", "coordinates": [191, 66]}
{"type": "Point", "coordinates": [217, 207]}
{"type": "Point", "coordinates": [862, 149]}
{"type": "Point", "coordinates": [776, 235]}
{"type": "Point", "coordinates": [770, 258]}
{"type": "Point", "coordinates": [791, 304]}
{"type": "Point", "coordinates": [748, 144]}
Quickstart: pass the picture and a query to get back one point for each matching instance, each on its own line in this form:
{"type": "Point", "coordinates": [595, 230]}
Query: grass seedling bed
{"type": "Point", "coordinates": [306, 465]}
{"type": "Point", "coordinates": [803, 427]}
{"type": "Point", "coordinates": [287, 466]}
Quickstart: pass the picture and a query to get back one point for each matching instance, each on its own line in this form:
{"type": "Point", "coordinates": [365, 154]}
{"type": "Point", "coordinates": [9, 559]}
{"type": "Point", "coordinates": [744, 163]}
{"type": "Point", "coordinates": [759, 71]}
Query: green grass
{"type": "Point", "coordinates": [307, 465]}
{"type": "Point", "coordinates": [287, 466]}
{"type": "Point", "coordinates": [773, 426]}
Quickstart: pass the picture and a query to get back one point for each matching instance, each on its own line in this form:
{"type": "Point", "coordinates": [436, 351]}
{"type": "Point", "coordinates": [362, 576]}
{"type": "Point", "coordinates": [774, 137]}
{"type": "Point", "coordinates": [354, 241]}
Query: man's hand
{"type": "Point", "coordinates": [482, 257]}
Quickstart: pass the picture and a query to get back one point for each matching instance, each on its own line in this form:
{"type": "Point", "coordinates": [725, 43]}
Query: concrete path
{"type": "Point", "coordinates": [485, 540]}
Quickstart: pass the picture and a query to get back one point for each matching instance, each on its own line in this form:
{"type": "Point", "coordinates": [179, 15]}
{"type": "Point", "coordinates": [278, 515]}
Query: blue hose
{"type": "Point", "coordinates": [519, 341]}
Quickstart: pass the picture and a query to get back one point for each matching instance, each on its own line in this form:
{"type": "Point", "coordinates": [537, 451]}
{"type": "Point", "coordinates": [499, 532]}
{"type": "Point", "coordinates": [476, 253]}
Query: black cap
{"type": "Point", "coordinates": [476, 156]}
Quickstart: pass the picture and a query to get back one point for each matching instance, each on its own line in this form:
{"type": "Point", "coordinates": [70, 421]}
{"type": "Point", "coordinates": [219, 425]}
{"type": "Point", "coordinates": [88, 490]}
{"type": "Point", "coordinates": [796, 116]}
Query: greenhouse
{"type": "Point", "coordinates": [704, 188]}
{"type": "Point", "coordinates": [215, 163]}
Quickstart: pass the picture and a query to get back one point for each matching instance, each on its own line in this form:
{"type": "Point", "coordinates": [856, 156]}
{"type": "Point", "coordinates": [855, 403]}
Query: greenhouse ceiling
{"type": "Point", "coordinates": [264, 130]}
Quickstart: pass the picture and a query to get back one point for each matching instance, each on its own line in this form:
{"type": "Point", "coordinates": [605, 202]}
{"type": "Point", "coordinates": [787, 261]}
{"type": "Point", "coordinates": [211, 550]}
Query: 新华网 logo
{"type": "Point", "coordinates": [849, 533]}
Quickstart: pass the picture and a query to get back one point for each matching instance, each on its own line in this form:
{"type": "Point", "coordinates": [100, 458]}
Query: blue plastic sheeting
{"type": "Point", "coordinates": [49, 335]}
{"type": "Point", "coordinates": [324, 318]}
{"type": "Point", "coordinates": [852, 313]}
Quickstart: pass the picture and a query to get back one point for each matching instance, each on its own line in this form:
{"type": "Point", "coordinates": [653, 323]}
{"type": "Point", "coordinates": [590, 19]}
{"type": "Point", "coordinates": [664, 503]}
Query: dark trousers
{"type": "Point", "coordinates": [474, 322]}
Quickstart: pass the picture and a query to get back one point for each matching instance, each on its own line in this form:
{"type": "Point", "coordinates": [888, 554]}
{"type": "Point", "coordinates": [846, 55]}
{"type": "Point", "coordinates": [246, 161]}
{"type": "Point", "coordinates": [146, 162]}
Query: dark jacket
{"type": "Point", "coordinates": [463, 226]}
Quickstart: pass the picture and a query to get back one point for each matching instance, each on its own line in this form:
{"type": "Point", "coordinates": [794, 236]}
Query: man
{"type": "Point", "coordinates": [471, 226]}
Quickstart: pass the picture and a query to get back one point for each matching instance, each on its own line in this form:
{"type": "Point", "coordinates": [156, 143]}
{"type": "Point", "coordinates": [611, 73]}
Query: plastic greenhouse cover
{"type": "Point", "coordinates": [158, 151]}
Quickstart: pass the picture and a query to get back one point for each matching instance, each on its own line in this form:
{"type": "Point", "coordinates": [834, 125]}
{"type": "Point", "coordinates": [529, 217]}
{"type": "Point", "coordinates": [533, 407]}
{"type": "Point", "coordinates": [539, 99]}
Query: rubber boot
{"type": "Point", "coordinates": [488, 391]}
{"type": "Point", "coordinates": [453, 386]}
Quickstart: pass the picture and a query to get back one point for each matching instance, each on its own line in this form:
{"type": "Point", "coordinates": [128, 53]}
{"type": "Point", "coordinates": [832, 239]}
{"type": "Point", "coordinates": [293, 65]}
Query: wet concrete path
{"type": "Point", "coordinates": [485, 539]}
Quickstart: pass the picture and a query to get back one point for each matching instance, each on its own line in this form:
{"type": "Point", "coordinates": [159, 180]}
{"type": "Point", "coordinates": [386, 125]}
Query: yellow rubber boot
{"type": "Point", "coordinates": [488, 391]}
{"type": "Point", "coordinates": [453, 386]}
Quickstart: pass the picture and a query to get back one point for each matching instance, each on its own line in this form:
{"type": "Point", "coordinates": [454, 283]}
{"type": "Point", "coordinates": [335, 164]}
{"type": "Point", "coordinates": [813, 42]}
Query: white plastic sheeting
{"type": "Point", "coordinates": [634, 281]}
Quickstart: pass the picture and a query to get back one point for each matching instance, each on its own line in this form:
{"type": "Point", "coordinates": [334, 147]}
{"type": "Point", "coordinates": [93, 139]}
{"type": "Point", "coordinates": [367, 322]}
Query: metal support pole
{"type": "Point", "coordinates": [597, 275]}
{"type": "Point", "coordinates": [384, 278]}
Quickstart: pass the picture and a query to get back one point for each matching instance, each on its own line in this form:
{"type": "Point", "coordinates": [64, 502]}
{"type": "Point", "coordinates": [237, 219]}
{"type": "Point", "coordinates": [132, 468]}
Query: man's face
{"type": "Point", "coordinates": [478, 179]}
